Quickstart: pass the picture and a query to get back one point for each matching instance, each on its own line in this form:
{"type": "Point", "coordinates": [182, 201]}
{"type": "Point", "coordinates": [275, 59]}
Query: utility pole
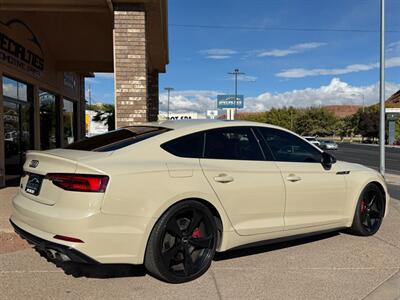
{"type": "Point", "coordinates": [382, 94]}
{"type": "Point", "coordinates": [90, 109]}
{"type": "Point", "coordinates": [90, 96]}
{"type": "Point", "coordinates": [168, 89]}
{"type": "Point", "coordinates": [236, 72]}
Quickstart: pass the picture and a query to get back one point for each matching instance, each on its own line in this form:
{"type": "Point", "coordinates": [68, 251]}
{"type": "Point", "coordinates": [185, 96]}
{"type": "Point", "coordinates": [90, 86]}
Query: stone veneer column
{"type": "Point", "coordinates": [153, 100]}
{"type": "Point", "coordinates": [130, 68]}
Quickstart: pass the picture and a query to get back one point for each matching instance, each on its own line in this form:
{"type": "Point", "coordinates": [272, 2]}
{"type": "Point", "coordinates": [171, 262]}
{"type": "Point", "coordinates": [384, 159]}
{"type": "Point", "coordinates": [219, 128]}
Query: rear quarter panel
{"type": "Point", "coordinates": [146, 181]}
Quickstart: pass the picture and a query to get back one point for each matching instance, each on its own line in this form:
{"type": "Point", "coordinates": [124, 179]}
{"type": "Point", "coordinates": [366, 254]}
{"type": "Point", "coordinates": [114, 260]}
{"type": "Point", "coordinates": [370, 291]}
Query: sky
{"type": "Point", "coordinates": [293, 52]}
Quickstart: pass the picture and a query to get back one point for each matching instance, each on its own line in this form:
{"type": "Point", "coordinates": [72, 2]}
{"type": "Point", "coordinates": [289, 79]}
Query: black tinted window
{"type": "Point", "coordinates": [288, 147]}
{"type": "Point", "coordinates": [116, 139]}
{"type": "Point", "coordinates": [187, 146]}
{"type": "Point", "coordinates": [236, 143]}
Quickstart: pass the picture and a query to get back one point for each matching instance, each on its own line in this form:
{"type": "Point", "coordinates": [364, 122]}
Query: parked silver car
{"type": "Point", "coordinates": [328, 145]}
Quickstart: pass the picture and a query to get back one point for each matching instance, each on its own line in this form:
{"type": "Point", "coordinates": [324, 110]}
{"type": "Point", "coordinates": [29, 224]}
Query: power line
{"type": "Point", "coordinates": [355, 30]}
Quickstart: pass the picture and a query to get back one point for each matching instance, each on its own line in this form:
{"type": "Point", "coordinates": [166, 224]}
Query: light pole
{"type": "Point", "coordinates": [168, 89]}
{"type": "Point", "coordinates": [236, 72]}
{"type": "Point", "coordinates": [382, 94]}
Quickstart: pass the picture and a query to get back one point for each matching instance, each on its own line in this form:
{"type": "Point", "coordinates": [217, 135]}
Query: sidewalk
{"type": "Point", "coordinates": [329, 266]}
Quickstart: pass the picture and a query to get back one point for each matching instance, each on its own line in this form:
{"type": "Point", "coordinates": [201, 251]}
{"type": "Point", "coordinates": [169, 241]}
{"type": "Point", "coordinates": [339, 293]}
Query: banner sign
{"type": "Point", "coordinates": [228, 101]}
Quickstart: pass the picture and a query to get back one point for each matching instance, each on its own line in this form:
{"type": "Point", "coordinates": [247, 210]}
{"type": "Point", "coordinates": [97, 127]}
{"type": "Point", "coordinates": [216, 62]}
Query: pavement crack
{"type": "Point", "coordinates": [387, 242]}
{"type": "Point", "coordinates": [380, 284]}
{"type": "Point", "coordinates": [216, 284]}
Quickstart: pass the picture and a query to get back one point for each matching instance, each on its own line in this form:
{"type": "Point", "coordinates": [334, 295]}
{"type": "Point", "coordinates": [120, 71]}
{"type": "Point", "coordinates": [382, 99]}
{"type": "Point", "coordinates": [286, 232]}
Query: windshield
{"type": "Point", "coordinates": [117, 139]}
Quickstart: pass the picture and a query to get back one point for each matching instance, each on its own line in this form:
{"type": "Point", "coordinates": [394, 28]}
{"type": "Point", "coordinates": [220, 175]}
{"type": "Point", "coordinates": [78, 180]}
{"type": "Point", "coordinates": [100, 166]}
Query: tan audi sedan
{"type": "Point", "coordinates": [169, 195]}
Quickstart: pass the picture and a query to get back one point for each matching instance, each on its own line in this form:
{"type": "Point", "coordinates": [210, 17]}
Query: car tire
{"type": "Point", "coordinates": [182, 243]}
{"type": "Point", "coordinates": [369, 211]}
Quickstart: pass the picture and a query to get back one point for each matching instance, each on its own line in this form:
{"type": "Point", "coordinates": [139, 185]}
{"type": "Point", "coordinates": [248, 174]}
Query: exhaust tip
{"type": "Point", "coordinates": [56, 255]}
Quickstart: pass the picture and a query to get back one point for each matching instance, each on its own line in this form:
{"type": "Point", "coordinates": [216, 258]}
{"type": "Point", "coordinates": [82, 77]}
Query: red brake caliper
{"type": "Point", "coordinates": [196, 233]}
{"type": "Point", "coordinates": [362, 206]}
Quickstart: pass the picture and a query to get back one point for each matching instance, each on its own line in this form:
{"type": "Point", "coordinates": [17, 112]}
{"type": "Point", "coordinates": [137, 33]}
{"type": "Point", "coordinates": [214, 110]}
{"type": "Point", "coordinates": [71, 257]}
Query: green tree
{"type": "Point", "coordinates": [367, 122]}
{"type": "Point", "coordinates": [316, 121]}
{"type": "Point", "coordinates": [284, 117]}
{"type": "Point", "coordinates": [107, 115]}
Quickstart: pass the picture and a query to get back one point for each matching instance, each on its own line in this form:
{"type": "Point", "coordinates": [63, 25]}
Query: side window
{"type": "Point", "coordinates": [236, 143]}
{"type": "Point", "coordinates": [288, 147]}
{"type": "Point", "coordinates": [190, 146]}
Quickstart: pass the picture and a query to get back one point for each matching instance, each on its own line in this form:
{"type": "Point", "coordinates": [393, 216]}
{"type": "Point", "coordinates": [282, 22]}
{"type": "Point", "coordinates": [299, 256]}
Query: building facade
{"type": "Point", "coordinates": [48, 47]}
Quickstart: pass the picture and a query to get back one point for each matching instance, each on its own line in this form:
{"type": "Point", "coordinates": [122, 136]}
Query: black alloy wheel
{"type": "Point", "coordinates": [369, 211]}
{"type": "Point", "coordinates": [182, 243]}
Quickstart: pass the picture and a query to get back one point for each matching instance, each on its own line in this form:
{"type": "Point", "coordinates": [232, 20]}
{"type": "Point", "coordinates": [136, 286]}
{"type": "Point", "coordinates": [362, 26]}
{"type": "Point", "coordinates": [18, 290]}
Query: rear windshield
{"type": "Point", "coordinates": [117, 139]}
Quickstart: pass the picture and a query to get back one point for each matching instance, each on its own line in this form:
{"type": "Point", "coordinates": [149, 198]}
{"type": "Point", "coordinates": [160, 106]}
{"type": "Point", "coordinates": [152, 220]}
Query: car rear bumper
{"type": "Point", "coordinates": [53, 250]}
{"type": "Point", "coordinates": [106, 238]}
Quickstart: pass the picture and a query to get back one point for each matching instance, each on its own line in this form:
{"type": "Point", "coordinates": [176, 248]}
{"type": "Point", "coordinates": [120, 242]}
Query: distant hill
{"type": "Point", "coordinates": [342, 111]}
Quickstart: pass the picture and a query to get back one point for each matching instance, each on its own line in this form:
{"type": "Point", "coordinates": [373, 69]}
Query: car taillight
{"type": "Point", "coordinates": [79, 182]}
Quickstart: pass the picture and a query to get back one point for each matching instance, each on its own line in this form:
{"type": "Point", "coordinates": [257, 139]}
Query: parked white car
{"type": "Point", "coordinates": [312, 140]}
{"type": "Point", "coordinates": [169, 195]}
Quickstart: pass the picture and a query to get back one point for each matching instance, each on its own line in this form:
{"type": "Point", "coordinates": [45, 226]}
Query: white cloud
{"type": "Point", "coordinates": [189, 101]}
{"type": "Point", "coordinates": [393, 47]}
{"type": "Point", "coordinates": [298, 48]}
{"type": "Point", "coordinates": [218, 53]}
{"type": "Point", "coordinates": [337, 92]}
{"type": "Point", "coordinates": [218, 56]}
{"type": "Point", "coordinates": [301, 72]}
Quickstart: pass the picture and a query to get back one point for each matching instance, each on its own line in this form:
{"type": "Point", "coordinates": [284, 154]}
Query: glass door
{"type": "Point", "coordinates": [16, 137]}
{"type": "Point", "coordinates": [17, 127]}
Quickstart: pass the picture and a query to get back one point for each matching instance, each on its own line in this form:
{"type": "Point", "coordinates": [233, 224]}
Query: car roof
{"type": "Point", "coordinates": [184, 124]}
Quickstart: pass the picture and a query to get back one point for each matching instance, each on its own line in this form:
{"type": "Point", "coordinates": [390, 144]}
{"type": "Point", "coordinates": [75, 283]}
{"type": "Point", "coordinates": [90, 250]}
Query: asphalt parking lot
{"type": "Point", "coordinates": [368, 155]}
{"type": "Point", "coordinates": [329, 266]}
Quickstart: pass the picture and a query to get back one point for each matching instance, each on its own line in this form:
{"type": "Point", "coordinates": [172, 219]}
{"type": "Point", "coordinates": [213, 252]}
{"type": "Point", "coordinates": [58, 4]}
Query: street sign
{"type": "Point", "coordinates": [228, 101]}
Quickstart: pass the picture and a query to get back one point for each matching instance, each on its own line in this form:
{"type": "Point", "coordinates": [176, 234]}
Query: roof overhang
{"type": "Point", "coordinates": [79, 33]}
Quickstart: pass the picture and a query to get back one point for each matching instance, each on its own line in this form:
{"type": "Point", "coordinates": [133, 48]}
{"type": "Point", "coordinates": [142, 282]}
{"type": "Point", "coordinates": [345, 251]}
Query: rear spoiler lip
{"type": "Point", "coordinates": [57, 152]}
{"type": "Point", "coordinates": [84, 162]}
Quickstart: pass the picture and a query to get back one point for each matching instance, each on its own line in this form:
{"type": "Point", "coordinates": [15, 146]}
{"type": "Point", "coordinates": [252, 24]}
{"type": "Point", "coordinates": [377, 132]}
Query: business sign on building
{"type": "Point", "coordinates": [392, 110]}
{"type": "Point", "coordinates": [180, 116]}
{"type": "Point", "coordinates": [228, 101]}
{"type": "Point", "coordinates": [25, 53]}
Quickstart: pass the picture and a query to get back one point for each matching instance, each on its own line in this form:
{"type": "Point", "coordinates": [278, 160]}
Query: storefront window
{"type": "Point", "coordinates": [68, 120]}
{"type": "Point", "coordinates": [48, 120]}
{"type": "Point", "coordinates": [14, 89]}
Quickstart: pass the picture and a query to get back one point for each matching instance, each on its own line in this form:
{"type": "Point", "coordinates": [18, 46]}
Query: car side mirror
{"type": "Point", "coordinates": [327, 160]}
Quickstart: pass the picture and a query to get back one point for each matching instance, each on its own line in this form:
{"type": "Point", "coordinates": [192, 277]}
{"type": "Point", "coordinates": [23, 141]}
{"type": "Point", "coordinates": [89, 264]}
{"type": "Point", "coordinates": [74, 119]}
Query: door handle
{"type": "Point", "coordinates": [293, 178]}
{"type": "Point", "coordinates": [223, 178]}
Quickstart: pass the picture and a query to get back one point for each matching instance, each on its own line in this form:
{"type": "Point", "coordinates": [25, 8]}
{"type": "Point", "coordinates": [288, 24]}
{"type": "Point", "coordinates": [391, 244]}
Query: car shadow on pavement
{"type": "Point", "coordinates": [271, 245]}
{"type": "Point", "coordinates": [98, 271]}
{"type": "Point", "coordinates": [103, 271]}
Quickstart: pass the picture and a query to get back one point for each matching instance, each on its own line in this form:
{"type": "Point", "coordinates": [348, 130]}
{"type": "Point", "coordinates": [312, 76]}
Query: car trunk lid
{"type": "Point", "coordinates": [34, 184]}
